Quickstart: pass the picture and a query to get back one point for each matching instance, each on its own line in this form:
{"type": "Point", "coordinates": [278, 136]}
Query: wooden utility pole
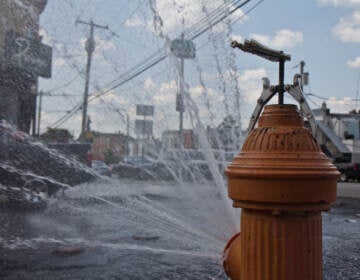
{"type": "Point", "coordinates": [41, 93]}
{"type": "Point", "coordinates": [89, 47]}
{"type": "Point", "coordinates": [181, 96]}
{"type": "Point", "coordinates": [302, 64]}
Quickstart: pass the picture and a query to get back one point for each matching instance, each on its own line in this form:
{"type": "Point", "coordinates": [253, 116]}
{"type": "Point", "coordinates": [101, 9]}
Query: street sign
{"type": "Point", "coordinates": [28, 55]}
{"type": "Point", "coordinates": [183, 48]}
{"type": "Point", "coordinates": [143, 127]}
{"type": "Point", "coordinates": [145, 110]}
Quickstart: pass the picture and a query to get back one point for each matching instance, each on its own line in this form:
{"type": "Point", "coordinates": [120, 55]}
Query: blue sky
{"type": "Point", "coordinates": [323, 33]}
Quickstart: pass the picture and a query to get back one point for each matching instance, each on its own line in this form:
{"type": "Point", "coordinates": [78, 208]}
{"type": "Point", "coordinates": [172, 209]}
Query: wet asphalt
{"type": "Point", "coordinates": [341, 253]}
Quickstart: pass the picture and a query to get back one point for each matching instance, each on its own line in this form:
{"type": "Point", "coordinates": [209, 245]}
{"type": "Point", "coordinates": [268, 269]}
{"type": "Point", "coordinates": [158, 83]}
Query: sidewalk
{"type": "Point", "coordinates": [341, 240]}
{"type": "Point", "coordinates": [348, 190]}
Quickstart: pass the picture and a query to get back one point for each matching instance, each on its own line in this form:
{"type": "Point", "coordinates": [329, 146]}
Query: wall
{"type": "Point", "coordinates": [18, 89]}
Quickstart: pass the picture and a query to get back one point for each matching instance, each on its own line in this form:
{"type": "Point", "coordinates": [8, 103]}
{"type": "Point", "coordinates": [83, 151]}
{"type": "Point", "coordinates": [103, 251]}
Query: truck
{"type": "Point", "coordinates": [349, 171]}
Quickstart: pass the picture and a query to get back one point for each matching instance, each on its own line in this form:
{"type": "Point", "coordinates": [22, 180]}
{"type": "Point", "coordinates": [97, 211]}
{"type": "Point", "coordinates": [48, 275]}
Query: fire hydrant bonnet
{"type": "Point", "coordinates": [281, 162]}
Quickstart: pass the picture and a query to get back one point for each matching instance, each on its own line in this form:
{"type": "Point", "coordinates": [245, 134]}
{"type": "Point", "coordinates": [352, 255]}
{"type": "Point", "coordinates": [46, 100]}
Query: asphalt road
{"type": "Point", "coordinates": [348, 189]}
{"type": "Point", "coordinates": [126, 239]}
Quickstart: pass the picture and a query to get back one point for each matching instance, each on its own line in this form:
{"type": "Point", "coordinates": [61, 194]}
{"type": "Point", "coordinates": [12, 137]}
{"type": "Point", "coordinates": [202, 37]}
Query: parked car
{"type": "Point", "coordinates": [33, 195]}
{"type": "Point", "coordinates": [101, 167]}
{"type": "Point", "coordinates": [349, 171]}
{"type": "Point", "coordinates": [138, 160]}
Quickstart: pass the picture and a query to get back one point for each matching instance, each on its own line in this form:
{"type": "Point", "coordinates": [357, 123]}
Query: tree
{"type": "Point", "coordinates": [57, 135]}
{"type": "Point", "coordinates": [110, 157]}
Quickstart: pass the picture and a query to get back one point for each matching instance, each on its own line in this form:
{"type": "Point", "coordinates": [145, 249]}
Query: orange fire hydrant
{"type": "Point", "coordinates": [282, 181]}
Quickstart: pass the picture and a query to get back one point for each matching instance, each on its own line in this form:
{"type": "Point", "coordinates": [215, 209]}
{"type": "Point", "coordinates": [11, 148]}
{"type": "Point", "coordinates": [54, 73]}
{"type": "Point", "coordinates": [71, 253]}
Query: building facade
{"type": "Point", "coordinates": [18, 85]}
{"type": "Point", "coordinates": [338, 133]}
{"type": "Point", "coordinates": [116, 145]}
{"type": "Point", "coordinates": [171, 139]}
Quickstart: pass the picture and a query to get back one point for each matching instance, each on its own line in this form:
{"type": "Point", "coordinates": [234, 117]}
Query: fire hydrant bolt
{"type": "Point", "coordinates": [282, 181]}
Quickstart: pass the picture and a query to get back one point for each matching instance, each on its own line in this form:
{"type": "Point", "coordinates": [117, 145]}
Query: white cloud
{"type": "Point", "coordinates": [100, 46]}
{"type": "Point", "coordinates": [250, 87]}
{"type": "Point", "coordinates": [238, 38]}
{"type": "Point", "coordinates": [166, 94]}
{"type": "Point", "coordinates": [199, 92]}
{"type": "Point", "coordinates": [250, 84]}
{"type": "Point", "coordinates": [196, 92]}
{"type": "Point", "coordinates": [337, 3]}
{"type": "Point", "coordinates": [263, 39]}
{"type": "Point", "coordinates": [354, 63]}
{"type": "Point", "coordinates": [287, 38]}
{"type": "Point", "coordinates": [46, 39]}
{"type": "Point", "coordinates": [343, 105]}
{"type": "Point", "coordinates": [114, 99]}
{"type": "Point", "coordinates": [48, 119]}
{"type": "Point", "coordinates": [58, 62]}
{"type": "Point", "coordinates": [134, 22]}
{"type": "Point", "coordinates": [149, 84]}
{"type": "Point", "coordinates": [186, 12]}
{"type": "Point", "coordinates": [283, 39]}
{"type": "Point", "coordinates": [172, 16]}
{"type": "Point", "coordinates": [108, 113]}
{"type": "Point", "coordinates": [103, 45]}
{"type": "Point", "coordinates": [348, 28]}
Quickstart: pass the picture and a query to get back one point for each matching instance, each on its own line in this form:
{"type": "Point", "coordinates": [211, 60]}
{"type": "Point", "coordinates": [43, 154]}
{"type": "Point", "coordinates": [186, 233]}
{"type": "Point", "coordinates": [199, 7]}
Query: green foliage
{"type": "Point", "coordinates": [57, 135]}
{"type": "Point", "coordinates": [110, 157]}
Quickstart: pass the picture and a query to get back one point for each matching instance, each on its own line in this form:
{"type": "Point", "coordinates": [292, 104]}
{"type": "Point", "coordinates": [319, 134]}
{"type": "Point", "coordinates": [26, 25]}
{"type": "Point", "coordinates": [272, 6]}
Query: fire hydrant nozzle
{"type": "Point", "coordinates": [282, 181]}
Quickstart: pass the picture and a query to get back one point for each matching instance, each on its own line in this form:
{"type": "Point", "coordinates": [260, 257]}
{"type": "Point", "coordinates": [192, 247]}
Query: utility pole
{"type": "Point", "coordinates": [127, 129]}
{"type": "Point", "coordinates": [357, 92]}
{"type": "Point", "coordinates": [39, 112]}
{"type": "Point", "coordinates": [302, 64]}
{"type": "Point", "coordinates": [181, 96]}
{"type": "Point", "coordinates": [127, 133]}
{"type": "Point", "coordinates": [89, 47]}
{"type": "Point", "coordinates": [304, 76]}
{"type": "Point", "coordinates": [182, 49]}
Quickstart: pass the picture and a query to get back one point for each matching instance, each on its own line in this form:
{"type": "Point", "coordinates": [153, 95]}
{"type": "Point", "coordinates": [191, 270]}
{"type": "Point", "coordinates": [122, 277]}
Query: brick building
{"type": "Point", "coordinates": [171, 139]}
{"type": "Point", "coordinates": [118, 144]}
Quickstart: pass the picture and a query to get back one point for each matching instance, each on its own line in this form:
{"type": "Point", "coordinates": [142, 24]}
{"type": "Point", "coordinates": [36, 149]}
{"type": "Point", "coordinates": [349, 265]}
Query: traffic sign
{"type": "Point", "coordinates": [28, 54]}
{"type": "Point", "coordinates": [183, 48]}
{"type": "Point", "coordinates": [145, 110]}
{"type": "Point", "coordinates": [143, 127]}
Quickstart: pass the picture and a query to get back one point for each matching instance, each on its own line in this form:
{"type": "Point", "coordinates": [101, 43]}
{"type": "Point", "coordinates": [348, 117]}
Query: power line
{"type": "Point", "coordinates": [112, 32]}
{"type": "Point", "coordinates": [160, 55]}
{"type": "Point", "coordinates": [78, 106]}
{"type": "Point", "coordinates": [200, 32]}
{"type": "Point", "coordinates": [65, 84]}
{"type": "Point", "coordinates": [331, 98]}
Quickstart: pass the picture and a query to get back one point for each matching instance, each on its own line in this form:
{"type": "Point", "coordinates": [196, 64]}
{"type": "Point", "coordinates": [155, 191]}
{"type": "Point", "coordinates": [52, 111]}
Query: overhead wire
{"type": "Point", "coordinates": [334, 99]}
{"type": "Point", "coordinates": [158, 56]}
{"type": "Point", "coordinates": [78, 106]}
{"type": "Point", "coordinates": [161, 55]}
{"type": "Point", "coordinates": [222, 17]}
{"type": "Point", "coordinates": [65, 84]}
{"type": "Point", "coordinates": [143, 65]}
